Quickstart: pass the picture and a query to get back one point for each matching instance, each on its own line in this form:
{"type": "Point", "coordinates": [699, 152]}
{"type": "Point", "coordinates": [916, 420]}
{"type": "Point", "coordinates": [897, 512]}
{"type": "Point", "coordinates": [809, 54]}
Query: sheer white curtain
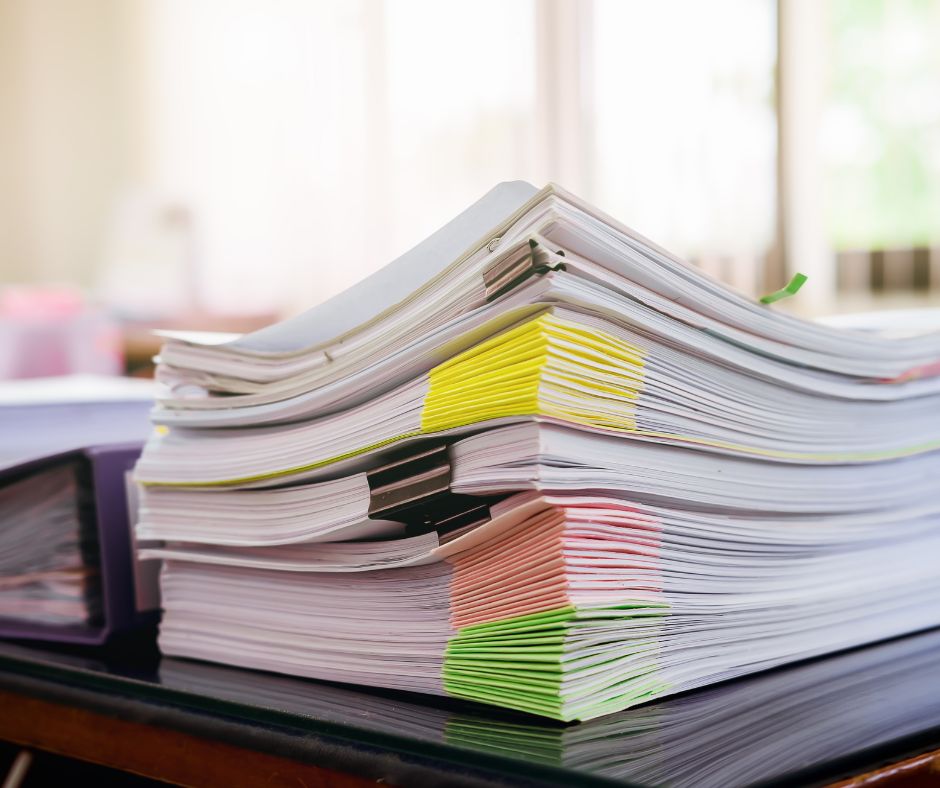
{"type": "Point", "coordinates": [685, 126]}
{"type": "Point", "coordinates": [312, 142]}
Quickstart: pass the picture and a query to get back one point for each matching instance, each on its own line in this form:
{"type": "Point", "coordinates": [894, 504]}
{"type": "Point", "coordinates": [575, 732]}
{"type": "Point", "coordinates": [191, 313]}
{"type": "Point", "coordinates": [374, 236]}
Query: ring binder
{"type": "Point", "coordinates": [104, 468]}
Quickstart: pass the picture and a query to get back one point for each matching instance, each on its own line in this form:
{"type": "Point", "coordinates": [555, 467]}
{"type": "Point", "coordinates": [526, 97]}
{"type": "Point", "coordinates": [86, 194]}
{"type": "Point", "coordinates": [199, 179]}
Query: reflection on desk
{"type": "Point", "coordinates": [797, 724]}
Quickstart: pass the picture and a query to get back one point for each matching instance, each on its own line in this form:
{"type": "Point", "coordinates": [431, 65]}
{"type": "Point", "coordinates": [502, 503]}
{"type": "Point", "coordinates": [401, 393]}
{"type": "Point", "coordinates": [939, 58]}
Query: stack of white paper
{"type": "Point", "coordinates": [541, 463]}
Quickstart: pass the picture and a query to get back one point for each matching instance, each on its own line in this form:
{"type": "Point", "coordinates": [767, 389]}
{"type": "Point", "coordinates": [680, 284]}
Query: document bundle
{"type": "Point", "coordinates": [541, 463]}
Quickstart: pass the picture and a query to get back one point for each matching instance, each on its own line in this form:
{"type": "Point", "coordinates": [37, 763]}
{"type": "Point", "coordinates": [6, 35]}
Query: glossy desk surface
{"type": "Point", "coordinates": [808, 724]}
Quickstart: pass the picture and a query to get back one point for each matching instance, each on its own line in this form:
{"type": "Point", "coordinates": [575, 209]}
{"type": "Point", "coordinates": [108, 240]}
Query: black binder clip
{"type": "Point", "coordinates": [414, 488]}
{"type": "Point", "coordinates": [529, 260]}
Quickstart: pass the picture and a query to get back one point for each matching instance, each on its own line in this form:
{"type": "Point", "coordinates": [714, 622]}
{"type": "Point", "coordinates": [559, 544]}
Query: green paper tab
{"type": "Point", "coordinates": [792, 288]}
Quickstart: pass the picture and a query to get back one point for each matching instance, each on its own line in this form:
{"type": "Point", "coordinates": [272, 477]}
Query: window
{"type": "Point", "coordinates": [881, 124]}
{"type": "Point", "coordinates": [685, 148]}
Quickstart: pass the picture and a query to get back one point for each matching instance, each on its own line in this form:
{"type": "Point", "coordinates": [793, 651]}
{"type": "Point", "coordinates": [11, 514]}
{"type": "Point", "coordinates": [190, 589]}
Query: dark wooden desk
{"type": "Point", "coordinates": [152, 751]}
{"type": "Point", "coordinates": [869, 717]}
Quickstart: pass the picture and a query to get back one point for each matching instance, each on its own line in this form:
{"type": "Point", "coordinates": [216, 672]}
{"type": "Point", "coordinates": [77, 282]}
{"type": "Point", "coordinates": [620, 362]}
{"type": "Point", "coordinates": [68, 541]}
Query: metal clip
{"type": "Point", "coordinates": [529, 260]}
{"type": "Point", "coordinates": [414, 489]}
{"type": "Point", "coordinates": [409, 482]}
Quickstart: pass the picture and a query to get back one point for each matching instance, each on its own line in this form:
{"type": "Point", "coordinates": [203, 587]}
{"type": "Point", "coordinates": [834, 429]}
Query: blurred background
{"type": "Point", "coordinates": [216, 164]}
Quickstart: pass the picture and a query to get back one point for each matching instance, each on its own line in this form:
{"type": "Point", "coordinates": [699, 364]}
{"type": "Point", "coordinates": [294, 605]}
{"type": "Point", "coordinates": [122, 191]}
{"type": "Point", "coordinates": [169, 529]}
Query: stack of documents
{"type": "Point", "coordinates": [541, 463]}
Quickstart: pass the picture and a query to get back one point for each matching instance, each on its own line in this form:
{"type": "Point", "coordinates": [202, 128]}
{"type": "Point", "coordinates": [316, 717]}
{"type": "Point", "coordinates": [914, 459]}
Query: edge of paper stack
{"type": "Point", "coordinates": [540, 463]}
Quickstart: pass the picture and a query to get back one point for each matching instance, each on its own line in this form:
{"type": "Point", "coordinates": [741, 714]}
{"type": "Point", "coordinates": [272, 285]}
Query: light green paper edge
{"type": "Point", "coordinates": [508, 663]}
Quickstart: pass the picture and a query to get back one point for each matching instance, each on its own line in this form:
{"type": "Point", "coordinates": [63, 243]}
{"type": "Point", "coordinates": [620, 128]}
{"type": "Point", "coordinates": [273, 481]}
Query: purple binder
{"type": "Point", "coordinates": [119, 613]}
